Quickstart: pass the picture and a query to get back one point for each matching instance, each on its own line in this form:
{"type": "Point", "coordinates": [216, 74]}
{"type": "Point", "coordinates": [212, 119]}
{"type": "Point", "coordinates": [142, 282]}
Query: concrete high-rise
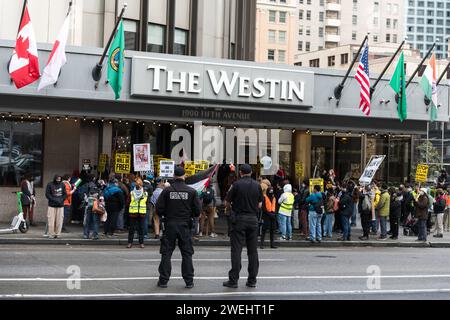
{"type": "Point", "coordinates": [428, 22]}
{"type": "Point", "coordinates": [332, 23]}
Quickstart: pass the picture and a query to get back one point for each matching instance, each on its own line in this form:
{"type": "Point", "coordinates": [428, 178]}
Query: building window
{"type": "Point", "coordinates": [375, 38]}
{"type": "Point", "coordinates": [282, 37]}
{"type": "Point", "coordinates": [395, 9]}
{"type": "Point", "coordinates": [180, 43]}
{"type": "Point", "coordinates": [314, 63]}
{"type": "Point", "coordinates": [300, 14]}
{"type": "Point", "coordinates": [388, 23]}
{"type": "Point", "coordinates": [355, 5]}
{"type": "Point", "coordinates": [300, 46]}
{"type": "Point", "coordinates": [394, 38]}
{"type": "Point", "coordinates": [375, 21]}
{"type": "Point", "coordinates": [321, 16]}
{"type": "Point", "coordinates": [271, 55]}
{"type": "Point", "coordinates": [308, 46]}
{"type": "Point", "coordinates": [344, 58]}
{"type": "Point", "coordinates": [130, 28]}
{"type": "Point", "coordinates": [376, 6]}
{"type": "Point", "coordinates": [300, 31]}
{"type": "Point", "coordinates": [272, 16]}
{"type": "Point", "coordinates": [395, 24]}
{"type": "Point", "coordinates": [282, 16]}
{"type": "Point", "coordinates": [308, 30]}
{"type": "Point", "coordinates": [281, 56]}
{"type": "Point", "coordinates": [320, 32]}
{"type": "Point", "coordinates": [388, 37]}
{"type": "Point", "coordinates": [321, 3]}
{"type": "Point", "coordinates": [354, 20]}
{"type": "Point", "coordinates": [156, 38]}
{"type": "Point", "coordinates": [308, 14]}
{"type": "Point", "coordinates": [308, 1]}
{"type": "Point", "coordinates": [331, 61]}
{"type": "Point", "coordinates": [272, 36]}
{"type": "Point", "coordinates": [21, 144]}
{"type": "Point", "coordinates": [353, 35]}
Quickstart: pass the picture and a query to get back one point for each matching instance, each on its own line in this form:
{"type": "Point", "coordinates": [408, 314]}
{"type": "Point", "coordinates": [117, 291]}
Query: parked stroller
{"type": "Point", "coordinates": [411, 227]}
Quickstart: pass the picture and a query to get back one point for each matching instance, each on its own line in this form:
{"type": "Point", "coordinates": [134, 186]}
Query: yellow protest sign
{"type": "Point", "coordinates": [102, 161]}
{"type": "Point", "coordinates": [122, 163]}
{"type": "Point", "coordinates": [299, 170]}
{"type": "Point", "coordinates": [315, 182]}
{"type": "Point", "coordinates": [201, 165]}
{"type": "Point", "coordinates": [422, 173]}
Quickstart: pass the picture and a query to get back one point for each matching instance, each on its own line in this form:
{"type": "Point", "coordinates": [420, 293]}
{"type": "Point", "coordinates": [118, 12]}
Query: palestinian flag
{"type": "Point", "coordinates": [201, 180]}
{"type": "Point", "coordinates": [428, 84]}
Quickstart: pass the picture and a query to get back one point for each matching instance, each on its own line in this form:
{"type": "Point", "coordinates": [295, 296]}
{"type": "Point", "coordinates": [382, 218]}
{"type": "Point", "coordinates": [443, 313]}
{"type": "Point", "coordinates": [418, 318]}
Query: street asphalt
{"type": "Point", "coordinates": [113, 272]}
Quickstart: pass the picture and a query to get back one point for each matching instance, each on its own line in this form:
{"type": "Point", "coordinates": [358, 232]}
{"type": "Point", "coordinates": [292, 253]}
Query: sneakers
{"type": "Point", "coordinates": [230, 284]}
{"type": "Point", "coordinates": [45, 236]}
{"type": "Point", "coordinates": [200, 234]}
{"type": "Point", "coordinates": [189, 285]}
{"type": "Point", "coordinates": [282, 239]}
{"type": "Point", "coordinates": [85, 237]}
{"type": "Point", "coordinates": [213, 235]}
{"type": "Point", "coordinates": [162, 285]}
{"type": "Point", "coordinates": [129, 246]}
{"type": "Point", "coordinates": [438, 235]}
{"type": "Point", "coordinates": [273, 247]}
{"type": "Point", "coordinates": [381, 238]}
{"type": "Point", "coordinates": [142, 246]}
{"type": "Point", "coordinates": [251, 284]}
{"type": "Point", "coordinates": [363, 238]}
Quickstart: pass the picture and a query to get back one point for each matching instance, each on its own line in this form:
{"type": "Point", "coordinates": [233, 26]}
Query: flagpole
{"type": "Point", "coordinates": [97, 70]}
{"type": "Point", "coordinates": [443, 74]}
{"type": "Point", "coordinates": [340, 87]}
{"type": "Point", "coordinates": [420, 65]}
{"type": "Point", "coordinates": [372, 89]}
{"type": "Point", "coordinates": [70, 7]}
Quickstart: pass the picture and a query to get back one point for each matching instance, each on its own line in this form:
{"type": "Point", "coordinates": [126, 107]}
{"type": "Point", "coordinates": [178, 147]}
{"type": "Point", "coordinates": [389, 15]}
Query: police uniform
{"type": "Point", "coordinates": [177, 205]}
{"type": "Point", "coordinates": [245, 197]}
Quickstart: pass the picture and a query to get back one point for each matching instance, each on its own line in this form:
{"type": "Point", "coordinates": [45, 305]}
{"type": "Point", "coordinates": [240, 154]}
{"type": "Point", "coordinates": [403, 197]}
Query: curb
{"type": "Point", "coordinates": [226, 243]}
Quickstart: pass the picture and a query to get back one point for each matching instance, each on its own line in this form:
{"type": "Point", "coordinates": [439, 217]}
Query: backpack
{"type": "Point", "coordinates": [318, 206]}
{"type": "Point", "coordinates": [336, 204]}
{"type": "Point", "coordinates": [207, 196]}
{"type": "Point", "coordinates": [367, 203]}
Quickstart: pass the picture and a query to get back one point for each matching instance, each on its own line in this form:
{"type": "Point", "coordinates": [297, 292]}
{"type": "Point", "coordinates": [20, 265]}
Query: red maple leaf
{"type": "Point", "coordinates": [22, 47]}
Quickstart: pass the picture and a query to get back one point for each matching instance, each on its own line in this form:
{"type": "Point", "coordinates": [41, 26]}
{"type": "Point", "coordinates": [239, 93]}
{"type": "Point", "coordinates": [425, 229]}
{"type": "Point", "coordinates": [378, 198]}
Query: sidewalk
{"type": "Point", "coordinates": [34, 236]}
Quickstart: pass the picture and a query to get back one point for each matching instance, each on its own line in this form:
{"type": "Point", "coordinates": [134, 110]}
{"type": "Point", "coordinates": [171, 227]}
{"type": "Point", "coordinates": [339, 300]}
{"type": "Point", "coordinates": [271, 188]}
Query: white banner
{"type": "Point", "coordinates": [371, 169]}
{"type": "Point", "coordinates": [141, 157]}
{"type": "Point", "coordinates": [166, 169]}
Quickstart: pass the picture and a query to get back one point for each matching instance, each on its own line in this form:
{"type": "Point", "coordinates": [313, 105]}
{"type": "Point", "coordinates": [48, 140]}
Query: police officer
{"type": "Point", "coordinates": [245, 197]}
{"type": "Point", "coordinates": [176, 206]}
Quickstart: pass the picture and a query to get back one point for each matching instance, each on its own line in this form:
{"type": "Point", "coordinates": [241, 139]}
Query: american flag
{"type": "Point", "coordinates": [362, 76]}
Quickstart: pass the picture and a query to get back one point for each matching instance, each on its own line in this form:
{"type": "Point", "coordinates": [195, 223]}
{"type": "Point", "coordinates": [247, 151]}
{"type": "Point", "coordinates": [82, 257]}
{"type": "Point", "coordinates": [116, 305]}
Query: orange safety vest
{"type": "Point", "coordinates": [270, 207]}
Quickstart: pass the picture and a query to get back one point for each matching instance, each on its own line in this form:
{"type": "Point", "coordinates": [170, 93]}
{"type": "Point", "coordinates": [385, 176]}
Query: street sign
{"type": "Point", "coordinates": [166, 169]}
{"type": "Point", "coordinates": [122, 163]}
{"type": "Point", "coordinates": [315, 182]}
{"type": "Point", "coordinates": [371, 169]}
{"type": "Point", "coordinates": [422, 173]}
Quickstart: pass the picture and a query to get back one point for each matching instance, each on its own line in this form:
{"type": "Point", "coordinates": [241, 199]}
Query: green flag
{"type": "Point", "coordinates": [116, 61]}
{"type": "Point", "coordinates": [398, 83]}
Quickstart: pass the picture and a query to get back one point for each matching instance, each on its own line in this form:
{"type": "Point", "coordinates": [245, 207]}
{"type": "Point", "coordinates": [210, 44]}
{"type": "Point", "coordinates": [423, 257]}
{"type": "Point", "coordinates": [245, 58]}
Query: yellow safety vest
{"type": "Point", "coordinates": [287, 205]}
{"type": "Point", "coordinates": [138, 206]}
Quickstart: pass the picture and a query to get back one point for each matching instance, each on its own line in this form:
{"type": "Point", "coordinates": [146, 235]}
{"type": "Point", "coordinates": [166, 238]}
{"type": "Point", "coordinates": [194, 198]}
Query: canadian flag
{"type": "Point", "coordinates": [24, 64]}
{"type": "Point", "coordinates": [57, 57]}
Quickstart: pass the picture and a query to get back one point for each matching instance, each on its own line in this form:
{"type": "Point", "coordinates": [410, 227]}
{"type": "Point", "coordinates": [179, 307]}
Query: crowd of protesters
{"type": "Point", "coordinates": [129, 203]}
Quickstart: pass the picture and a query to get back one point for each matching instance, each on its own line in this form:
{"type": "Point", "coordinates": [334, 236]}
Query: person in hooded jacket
{"type": "Point", "coordinates": [365, 210]}
{"type": "Point", "coordinates": [346, 211]}
{"type": "Point", "coordinates": [115, 202]}
{"type": "Point", "coordinates": [139, 206]}
{"type": "Point", "coordinates": [56, 194]}
{"type": "Point", "coordinates": [269, 217]}
{"type": "Point", "coordinates": [303, 208]}
{"type": "Point", "coordinates": [316, 204]}
{"type": "Point", "coordinates": [286, 202]}
{"type": "Point", "coordinates": [395, 211]}
{"type": "Point", "coordinates": [421, 205]}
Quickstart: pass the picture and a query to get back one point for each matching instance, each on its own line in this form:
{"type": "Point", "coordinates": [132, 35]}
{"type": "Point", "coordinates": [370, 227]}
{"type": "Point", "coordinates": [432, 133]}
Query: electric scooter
{"type": "Point", "coordinates": [18, 222]}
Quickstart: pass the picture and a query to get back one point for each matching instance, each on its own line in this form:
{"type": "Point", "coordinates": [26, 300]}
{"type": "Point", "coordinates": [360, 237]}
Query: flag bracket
{"type": "Point", "coordinates": [427, 101]}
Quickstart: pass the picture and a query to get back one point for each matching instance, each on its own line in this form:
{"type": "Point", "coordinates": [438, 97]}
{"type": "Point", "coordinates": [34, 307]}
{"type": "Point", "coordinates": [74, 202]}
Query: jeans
{"type": "Point", "coordinates": [136, 224]}
{"type": "Point", "coordinates": [346, 229]}
{"type": "Point", "coordinates": [354, 212]}
{"type": "Point", "coordinates": [423, 229]}
{"type": "Point", "coordinates": [146, 219]}
{"type": "Point", "coordinates": [285, 226]}
{"type": "Point", "coordinates": [66, 215]}
{"type": "Point", "coordinates": [315, 226]}
{"type": "Point", "coordinates": [383, 225]}
{"type": "Point", "coordinates": [91, 222]}
{"type": "Point", "coordinates": [120, 219]}
{"type": "Point", "coordinates": [328, 225]}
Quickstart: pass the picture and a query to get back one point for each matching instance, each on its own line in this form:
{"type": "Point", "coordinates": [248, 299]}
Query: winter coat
{"type": "Point", "coordinates": [360, 205]}
{"type": "Point", "coordinates": [56, 194]}
{"type": "Point", "coordinates": [422, 207]}
{"type": "Point", "coordinates": [114, 198]}
{"type": "Point", "coordinates": [395, 208]}
{"type": "Point", "coordinates": [346, 204]}
{"type": "Point", "coordinates": [384, 204]}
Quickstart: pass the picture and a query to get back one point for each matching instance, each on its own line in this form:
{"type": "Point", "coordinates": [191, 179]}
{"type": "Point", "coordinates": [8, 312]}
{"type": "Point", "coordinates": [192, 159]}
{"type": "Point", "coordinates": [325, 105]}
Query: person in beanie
{"type": "Point", "coordinates": [56, 194]}
{"type": "Point", "coordinates": [177, 205]}
{"type": "Point", "coordinates": [395, 211]}
{"type": "Point", "coordinates": [137, 212]}
{"type": "Point", "coordinates": [438, 209]}
{"type": "Point", "coordinates": [269, 217]}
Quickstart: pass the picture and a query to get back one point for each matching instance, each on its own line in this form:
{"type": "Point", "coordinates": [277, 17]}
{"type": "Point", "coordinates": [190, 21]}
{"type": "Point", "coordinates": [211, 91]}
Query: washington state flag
{"type": "Point", "coordinates": [428, 84]}
{"type": "Point", "coordinates": [116, 61]}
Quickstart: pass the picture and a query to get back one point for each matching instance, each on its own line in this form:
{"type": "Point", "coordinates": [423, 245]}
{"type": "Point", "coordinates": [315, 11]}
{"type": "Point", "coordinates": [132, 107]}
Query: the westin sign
{"type": "Point", "coordinates": [229, 83]}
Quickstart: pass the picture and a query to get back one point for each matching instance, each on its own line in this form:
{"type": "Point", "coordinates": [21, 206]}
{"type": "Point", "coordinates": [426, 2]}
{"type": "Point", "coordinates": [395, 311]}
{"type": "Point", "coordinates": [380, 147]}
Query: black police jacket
{"type": "Point", "coordinates": [179, 203]}
{"type": "Point", "coordinates": [245, 196]}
